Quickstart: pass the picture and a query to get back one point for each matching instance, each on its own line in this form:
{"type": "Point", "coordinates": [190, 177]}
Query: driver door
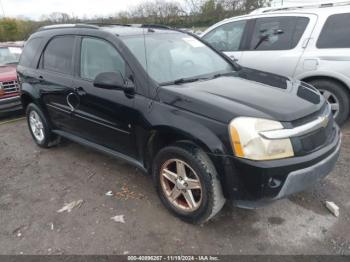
{"type": "Point", "coordinates": [103, 116]}
{"type": "Point", "coordinates": [228, 38]}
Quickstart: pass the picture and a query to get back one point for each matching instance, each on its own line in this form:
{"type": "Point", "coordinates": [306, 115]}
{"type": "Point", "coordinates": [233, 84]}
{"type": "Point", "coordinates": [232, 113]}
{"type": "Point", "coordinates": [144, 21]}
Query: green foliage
{"type": "Point", "coordinates": [194, 13]}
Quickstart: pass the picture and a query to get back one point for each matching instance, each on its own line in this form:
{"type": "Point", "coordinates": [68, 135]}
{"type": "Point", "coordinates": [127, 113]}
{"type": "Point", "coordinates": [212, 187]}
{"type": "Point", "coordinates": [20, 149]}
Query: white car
{"type": "Point", "coordinates": [309, 42]}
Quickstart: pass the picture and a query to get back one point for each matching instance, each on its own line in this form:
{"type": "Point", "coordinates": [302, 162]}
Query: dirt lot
{"type": "Point", "coordinates": [35, 183]}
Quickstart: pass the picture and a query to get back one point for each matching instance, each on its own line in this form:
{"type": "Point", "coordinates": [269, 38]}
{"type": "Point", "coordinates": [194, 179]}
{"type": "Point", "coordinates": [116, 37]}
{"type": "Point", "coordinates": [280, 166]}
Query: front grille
{"type": "Point", "coordinates": [10, 87]}
{"type": "Point", "coordinates": [311, 142]}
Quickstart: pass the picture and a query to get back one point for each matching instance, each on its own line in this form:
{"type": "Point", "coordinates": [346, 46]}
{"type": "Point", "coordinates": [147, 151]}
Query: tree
{"type": "Point", "coordinates": [8, 29]}
{"type": "Point", "coordinates": [168, 12]}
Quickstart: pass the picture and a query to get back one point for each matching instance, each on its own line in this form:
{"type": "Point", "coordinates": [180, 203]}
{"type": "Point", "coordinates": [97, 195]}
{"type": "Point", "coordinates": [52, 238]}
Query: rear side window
{"type": "Point", "coordinates": [335, 32]}
{"type": "Point", "coordinates": [58, 55]}
{"type": "Point", "coordinates": [278, 33]}
{"type": "Point", "coordinates": [226, 38]}
{"type": "Point", "coordinates": [29, 52]}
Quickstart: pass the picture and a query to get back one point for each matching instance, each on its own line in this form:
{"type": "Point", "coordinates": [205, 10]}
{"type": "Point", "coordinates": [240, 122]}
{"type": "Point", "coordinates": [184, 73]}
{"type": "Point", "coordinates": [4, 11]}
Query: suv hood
{"type": "Point", "coordinates": [248, 93]}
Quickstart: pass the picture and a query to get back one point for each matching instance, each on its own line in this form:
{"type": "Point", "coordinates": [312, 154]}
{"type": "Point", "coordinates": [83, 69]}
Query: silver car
{"type": "Point", "coordinates": [310, 43]}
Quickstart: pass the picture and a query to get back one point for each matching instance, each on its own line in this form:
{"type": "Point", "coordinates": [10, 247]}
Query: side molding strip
{"type": "Point", "coordinates": [100, 148]}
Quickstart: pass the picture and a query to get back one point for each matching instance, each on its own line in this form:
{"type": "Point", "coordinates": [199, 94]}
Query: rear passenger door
{"type": "Point", "coordinates": [55, 79]}
{"type": "Point", "coordinates": [103, 116]}
{"type": "Point", "coordinates": [228, 38]}
{"type": "Point", "coordinates": [276, 44]}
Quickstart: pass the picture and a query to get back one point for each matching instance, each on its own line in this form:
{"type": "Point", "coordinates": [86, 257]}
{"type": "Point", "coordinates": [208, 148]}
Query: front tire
{"type": "Point", "coordinates": [187, 183]}
{"type": "Point", "coordinates": [39, 127]}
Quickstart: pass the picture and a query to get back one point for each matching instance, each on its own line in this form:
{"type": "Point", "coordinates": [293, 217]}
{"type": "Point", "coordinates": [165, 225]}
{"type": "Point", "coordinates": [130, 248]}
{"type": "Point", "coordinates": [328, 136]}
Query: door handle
{"type": "Point", "coordinates": [69, 96]}
{"type": "Point", "coordinates": [80, 91]}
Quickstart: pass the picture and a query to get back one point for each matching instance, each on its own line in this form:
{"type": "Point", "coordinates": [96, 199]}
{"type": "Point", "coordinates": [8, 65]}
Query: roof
{"type": "Point", "coordinates": [117, 29]}
{"type": "Point", "coordinates": [316, 7]}
{"type": "Point", "coordinates": [131, 30]}
{"type": "Point", "coordinates": [321, 9]}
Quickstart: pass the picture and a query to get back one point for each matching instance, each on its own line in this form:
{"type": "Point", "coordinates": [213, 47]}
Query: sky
{"type": "Point", "coordinates": [34, 9]}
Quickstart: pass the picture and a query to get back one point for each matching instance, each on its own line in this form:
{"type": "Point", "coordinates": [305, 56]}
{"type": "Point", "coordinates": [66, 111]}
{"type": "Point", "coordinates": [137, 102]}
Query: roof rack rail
{"type": "Point", "coordinates": [155, 26]}
{"type": "Point", "coordinates": [106, 24]}
{"type": "Point", "coordinates": [298, 7]}
{"type": "Point", "coordinates": [62, 26]}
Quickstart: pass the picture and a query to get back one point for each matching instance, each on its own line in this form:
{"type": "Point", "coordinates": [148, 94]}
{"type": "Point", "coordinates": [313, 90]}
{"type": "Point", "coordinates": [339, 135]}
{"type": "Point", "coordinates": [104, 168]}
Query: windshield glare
{"type": "Point", "coordinates": [9, 55]}
{"type": "Point", "coordinates": [168, 57]}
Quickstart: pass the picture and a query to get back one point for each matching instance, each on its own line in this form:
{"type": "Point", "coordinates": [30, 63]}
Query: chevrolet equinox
{"type": "Point", "coordinates": [205, 128]}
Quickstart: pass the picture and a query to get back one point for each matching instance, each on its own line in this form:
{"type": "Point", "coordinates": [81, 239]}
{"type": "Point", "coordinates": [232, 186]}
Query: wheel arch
{"type": "Point", "coordinates": [162, 136]}
{"type": "Point", "coordinates": [26, 99]}
{"type": "Point", "coordinates": [329, 78]}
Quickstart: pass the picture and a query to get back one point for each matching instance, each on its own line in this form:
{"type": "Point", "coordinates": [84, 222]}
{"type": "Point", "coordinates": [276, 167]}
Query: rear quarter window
{"type": "Point", "coordinates": [335, 32]}
{"type": "Point", "coordinates": [29, 52]}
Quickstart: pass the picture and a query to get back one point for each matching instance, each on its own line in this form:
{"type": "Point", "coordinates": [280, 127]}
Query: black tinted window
{"type": "Point", "coordinates": [336, 32]}
{"type": "Point", "coordinates": [29, 52]}
{"type": "Point", "coordinates": [226, 37]}
{"type": "Point", "coordinates": [278, 33]}
{"type": "Point", "coordinates": [98, 56]}
{"type": "Point", "coordinates": [58, 55]}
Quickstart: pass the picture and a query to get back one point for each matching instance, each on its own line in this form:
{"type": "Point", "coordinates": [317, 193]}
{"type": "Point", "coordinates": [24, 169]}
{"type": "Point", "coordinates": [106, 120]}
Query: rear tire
{"type": "Point", "coordinates": [335, 93]}
{"type": "Point", "coordinates": [198, 167]}
{"type": "Point", "coordinates": [39, 127]}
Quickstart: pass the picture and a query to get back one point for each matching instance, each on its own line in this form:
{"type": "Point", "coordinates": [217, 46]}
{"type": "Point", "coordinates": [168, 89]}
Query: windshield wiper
{"type": "Point", "coordinates": [185, 80]}
{"type": "Point", "coordinates": [182, 81]}
{"type": "Point", "coordinates": [224, 74]}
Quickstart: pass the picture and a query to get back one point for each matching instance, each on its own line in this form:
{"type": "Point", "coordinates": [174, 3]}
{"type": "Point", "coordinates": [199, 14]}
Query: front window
{"type": "Point", "coordinates": [9, 55]}
{"type": "Point", "coordinates": [278, 33]}
{"type": "Point", "coordinates": [168, 57]}
{"type": "Point", "coordinates": [98, 56]}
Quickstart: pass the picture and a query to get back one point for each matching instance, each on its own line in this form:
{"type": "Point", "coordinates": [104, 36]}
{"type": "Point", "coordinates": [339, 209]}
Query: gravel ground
{"type": "Point", "coordinates": [35, 183]}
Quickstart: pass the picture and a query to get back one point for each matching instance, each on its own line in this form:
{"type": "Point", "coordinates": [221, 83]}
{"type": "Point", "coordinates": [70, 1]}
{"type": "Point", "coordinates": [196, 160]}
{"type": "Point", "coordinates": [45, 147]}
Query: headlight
{"type": "Point", "coordinates": [247, 143]}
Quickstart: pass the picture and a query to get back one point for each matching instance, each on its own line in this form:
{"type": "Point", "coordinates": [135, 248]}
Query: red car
{"type": "Point", "coordinates": [9, 88]}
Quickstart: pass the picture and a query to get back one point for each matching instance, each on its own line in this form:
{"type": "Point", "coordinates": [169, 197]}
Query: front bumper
{"type": "Point", "coordinates": [256, 183]}
{"type": "Point", "coordinates": [10, 104]}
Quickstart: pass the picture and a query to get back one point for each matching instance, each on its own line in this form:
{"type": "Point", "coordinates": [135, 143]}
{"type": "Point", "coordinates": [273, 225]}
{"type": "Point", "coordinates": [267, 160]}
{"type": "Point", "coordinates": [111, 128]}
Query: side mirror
{"type": "Point", "coordinates": [110, 80]}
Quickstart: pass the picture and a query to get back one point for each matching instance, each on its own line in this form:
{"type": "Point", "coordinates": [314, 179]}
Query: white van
{"type": "Point", "coordinates": [309, 42]}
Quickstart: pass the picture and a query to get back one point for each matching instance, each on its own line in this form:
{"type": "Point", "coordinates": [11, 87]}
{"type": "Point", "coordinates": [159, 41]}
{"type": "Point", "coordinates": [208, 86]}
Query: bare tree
{"type": "Point", "coordinates": [193, 7]}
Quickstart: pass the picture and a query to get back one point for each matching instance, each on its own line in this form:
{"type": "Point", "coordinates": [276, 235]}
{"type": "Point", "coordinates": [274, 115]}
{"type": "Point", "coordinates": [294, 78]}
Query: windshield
{"type": "Point", "coordinates": [9, 55]}
{"type": "Point", "coordinates": [169, 57]}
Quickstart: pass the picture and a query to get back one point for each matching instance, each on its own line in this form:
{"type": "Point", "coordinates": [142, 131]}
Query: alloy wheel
{"type": "Point", "coordinates": [332, 100]}
{"type": "Point", "coordinates": [36, 125]}
{"type": "Point", "coordinates": [181, 185]}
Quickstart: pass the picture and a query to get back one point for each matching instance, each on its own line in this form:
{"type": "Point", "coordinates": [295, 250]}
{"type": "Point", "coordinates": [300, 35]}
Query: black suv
{"type": "Point", "coordinates": [205, 128]}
